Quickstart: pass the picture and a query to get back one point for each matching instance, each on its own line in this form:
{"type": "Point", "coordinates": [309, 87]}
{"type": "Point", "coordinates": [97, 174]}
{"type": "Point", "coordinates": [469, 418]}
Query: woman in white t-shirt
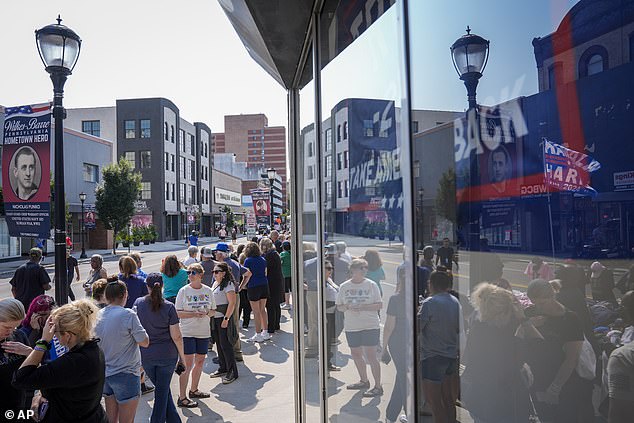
{"type": "Point", "coordinates": [360, 299]}
{"type": "Point", "coordinates": [194, 305]}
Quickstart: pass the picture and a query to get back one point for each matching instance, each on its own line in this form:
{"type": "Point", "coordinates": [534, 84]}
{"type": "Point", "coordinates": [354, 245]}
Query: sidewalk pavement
{"type": "Point", "coordinates": [262, 392]}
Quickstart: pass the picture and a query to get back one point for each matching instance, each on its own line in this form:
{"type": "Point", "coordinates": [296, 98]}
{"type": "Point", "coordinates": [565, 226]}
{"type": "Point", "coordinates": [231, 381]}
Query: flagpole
{"type": "Point", "coordinates": [550, 208]}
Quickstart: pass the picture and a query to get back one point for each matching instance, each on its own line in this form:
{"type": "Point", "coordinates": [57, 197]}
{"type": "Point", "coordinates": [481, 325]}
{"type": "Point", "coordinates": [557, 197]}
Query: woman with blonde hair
{"type": "Point", "coordinates": [13, 349]}
{"type": "Point", "coordinates": [493, 387]}
{"type": "Point", "coordinates": [73, 383]}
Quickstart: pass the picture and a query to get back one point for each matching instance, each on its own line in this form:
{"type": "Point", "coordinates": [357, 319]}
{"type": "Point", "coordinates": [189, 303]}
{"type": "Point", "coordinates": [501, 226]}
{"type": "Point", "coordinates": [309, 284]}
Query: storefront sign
{"type": "Point", "coordinates": [26, 170]}
{"type": "Point", "coordinates": [624, 181]}
{"type": "Point", "coordinates": [230, 198]}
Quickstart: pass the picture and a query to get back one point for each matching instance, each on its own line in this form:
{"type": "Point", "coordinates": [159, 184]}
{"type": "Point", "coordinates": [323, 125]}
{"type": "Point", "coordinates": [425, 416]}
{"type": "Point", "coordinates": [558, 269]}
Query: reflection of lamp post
{"type": "Point", "coordinates": [421, 229]}
{"type": "Point", "coordinates": [270, 172]}
{"type": "Point", "coordinates": [82, 198]}
{"type": "Point", "coordinates": [59, 48]}
{"type": "Point", "coordinates": [470, 54]}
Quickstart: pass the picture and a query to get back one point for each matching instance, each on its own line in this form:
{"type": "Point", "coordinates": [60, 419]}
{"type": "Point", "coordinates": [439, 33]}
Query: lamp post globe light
{"type": "Point", "coordinates": [270, 173]}
{"type": "Point", "coordinates": [59, 48]}
{"type": "Point", "coordinates": [82, 198]}
{"type": "Point", "coordinates": [470, 54]}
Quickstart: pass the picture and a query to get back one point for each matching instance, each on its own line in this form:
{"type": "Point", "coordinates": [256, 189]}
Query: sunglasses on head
{"type": "Point", "coordinates": [192, 272]}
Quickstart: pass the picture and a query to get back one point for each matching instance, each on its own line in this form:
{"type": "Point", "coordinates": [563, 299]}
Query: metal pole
{"type": "Point", "coordinates": [59, 114]}
{"type": "Point", "coordinates": [83, 232]}
{"type": "Point", "coordinates": [271, 194]}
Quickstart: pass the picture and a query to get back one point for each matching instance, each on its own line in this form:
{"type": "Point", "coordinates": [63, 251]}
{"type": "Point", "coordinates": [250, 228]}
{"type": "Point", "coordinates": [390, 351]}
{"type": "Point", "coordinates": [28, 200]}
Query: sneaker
{"type": "Point", "coordinates": [255, 338]}
{"type": "Point", "coordinates": [218, 373]}
{"type": "Point", "coordinates": [333, 368]}
{"type": "Point", "coordinates": [403, 418]}
{"type": "Point", "coordinates": [228, 379]}
{"type": "Point", "coordinates": [266, 336]}
{"type": "Point", "coordinates": [377, 391]}
{"type": "Point", "coordinates": [359, 385]}
{"type": "Point", "coordinates": [285, 306]}
{"type": "Point", "coordinates": [145, 389]}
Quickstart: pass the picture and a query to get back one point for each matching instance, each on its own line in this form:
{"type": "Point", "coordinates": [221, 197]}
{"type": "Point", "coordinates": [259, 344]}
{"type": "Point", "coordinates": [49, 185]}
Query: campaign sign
{"type": "Point", "coordinates": [90, 221]}
{"type": "Point", "coordinates": [26, 170]}
{"type": "Point", "coordinates": [262, 205]}
{"type": "Point", "coordinates": [568, 170]}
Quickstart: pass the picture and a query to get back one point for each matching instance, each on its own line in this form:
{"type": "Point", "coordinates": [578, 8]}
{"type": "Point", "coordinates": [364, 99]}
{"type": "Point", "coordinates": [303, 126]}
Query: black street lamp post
{"type": "Point", "coordinates": [59, 48]}
{"type": "Point", "coordinates": [470, 54]}
{"type": "Point", "coordinates": [270, 172]}
{"type": "Point", "coordinates": [82, 198]}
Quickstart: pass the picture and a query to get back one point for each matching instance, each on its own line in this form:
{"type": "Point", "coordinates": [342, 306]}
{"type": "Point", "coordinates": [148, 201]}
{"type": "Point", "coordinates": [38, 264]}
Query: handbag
{"type": "Point", "coordinates": [587, 363]}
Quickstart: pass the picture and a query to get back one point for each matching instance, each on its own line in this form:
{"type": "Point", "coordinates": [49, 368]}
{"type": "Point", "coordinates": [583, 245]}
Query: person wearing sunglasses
{"type": "Point", "coordinates": [194, 305]}
{"type": "Point", "coordinates": [360, 299]}
{"type": "Point", "coordinates": [224, 291]}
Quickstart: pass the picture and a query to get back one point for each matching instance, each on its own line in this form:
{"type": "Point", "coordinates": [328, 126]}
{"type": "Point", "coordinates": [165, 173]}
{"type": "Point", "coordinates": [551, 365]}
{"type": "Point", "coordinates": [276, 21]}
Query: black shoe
{"type": "Point", "coordinates": [146, 389]}
{"type": "Point", "coordinates": [218, 373]}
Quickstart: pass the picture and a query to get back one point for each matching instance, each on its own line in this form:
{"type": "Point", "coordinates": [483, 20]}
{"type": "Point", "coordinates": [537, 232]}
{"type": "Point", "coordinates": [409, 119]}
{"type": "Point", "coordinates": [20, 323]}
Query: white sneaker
{"type": "Point", "coordinates": [285, 306]}
{"type": "Point", "coordinates": [255, 338]}
{"type": "Point", "coordinates": [266, 336]}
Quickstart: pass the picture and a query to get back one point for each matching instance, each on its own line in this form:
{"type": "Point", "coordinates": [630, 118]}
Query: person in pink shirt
{"type": "Point", "coordinates": [538, 269]}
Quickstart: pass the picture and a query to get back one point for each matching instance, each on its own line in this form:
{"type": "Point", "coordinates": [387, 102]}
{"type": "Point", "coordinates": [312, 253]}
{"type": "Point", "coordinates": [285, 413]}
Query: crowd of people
{"type": "Point", "coordinates": [503, 354]}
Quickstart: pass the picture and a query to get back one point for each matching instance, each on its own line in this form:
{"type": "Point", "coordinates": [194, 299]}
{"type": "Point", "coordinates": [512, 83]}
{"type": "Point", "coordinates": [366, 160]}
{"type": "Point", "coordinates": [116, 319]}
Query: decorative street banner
{"type": "Point", "coordinates": [26, 170]}
{"type": "Point", "coordinates": [90, 221]}
{"type": "Point", "coordinates": [262, 205]}
{"type": "Point", "coordinates": [568, 170]}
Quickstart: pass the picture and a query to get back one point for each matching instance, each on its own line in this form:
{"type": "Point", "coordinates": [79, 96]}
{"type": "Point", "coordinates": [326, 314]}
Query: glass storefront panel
{"type": "Point", "coordinates": [364, 207]}
{"type": "Point", "coordinates": [525, 195]}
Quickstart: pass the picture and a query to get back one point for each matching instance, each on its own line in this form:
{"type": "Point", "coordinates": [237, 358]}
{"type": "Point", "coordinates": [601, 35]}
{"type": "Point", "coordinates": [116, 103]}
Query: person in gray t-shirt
{"type": "Point", "coordinates": [440, 316]}
{"type": "Point", "coordinates": [121, 335]}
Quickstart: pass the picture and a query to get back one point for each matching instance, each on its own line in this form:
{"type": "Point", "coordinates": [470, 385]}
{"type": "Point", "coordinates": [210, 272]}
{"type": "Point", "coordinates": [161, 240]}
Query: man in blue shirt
{"type": "Point", "coordinates": [193, 239]}
{"type": "Point", "coordinates": [440, 316]}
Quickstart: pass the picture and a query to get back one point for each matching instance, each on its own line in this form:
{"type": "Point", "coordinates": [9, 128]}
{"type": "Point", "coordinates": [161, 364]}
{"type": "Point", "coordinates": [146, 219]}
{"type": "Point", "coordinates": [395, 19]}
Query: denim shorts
{"type": "Point", "coordinates": [363, 338]}
{"type": "Point", "coordinates": [124, 386]}
{"type": "Point", "coordinates": [195, 345]}
{"type": "Point", "coordinates": [436, 368]}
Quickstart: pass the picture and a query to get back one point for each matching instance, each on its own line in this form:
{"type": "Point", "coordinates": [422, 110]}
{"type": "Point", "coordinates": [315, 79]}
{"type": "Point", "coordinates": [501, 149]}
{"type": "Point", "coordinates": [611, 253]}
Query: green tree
{"type": "Point", "coordinates": [446, 196]}
{"type": "Point", "coordinates": [231, 220]}
{"type": "Point", "coordinates": [116, 195]}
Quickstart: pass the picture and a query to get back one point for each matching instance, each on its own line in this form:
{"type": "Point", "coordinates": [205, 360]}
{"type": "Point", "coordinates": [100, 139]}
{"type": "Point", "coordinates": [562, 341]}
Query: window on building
{"type": "Point", "coordinates": [346, 188]}
{"type": "Point", "coordinates": [145, 128]}
{"type": "Point", "coordinates": [328, 167]}
{"type": "Point", "coordinates": [167, 132]}
{"type": "Point", "coordinates": [146, 190]}
{"type": "Point", "coordinates": [207, 197]}
{"type": "Point", "coordinates": [310, 195]}
{"type": "Point", "coordinates": [345, 159]}
{"type": "Point", "coordinates": [311, 172]}
{"type": "Point", "coordinates": [192, 194]}
{"type": "Point", "coordinates": [182, 193]}
{"type": "Point", "coordinates": [181, 136]}
{"type": "Point", "coordinates": [414, 126]}
{"type": "Point", "coordinates": [368, 128]}
{"type": "Point", "coordinates": [311, 151]}
{"type": "Point", "coordinates": [130, 129]}
{"type": "Point", "coordinates": [172, 134]}
{"type": "Point", "coordinates": [130, 156]}
{"type": "Point", "coordinates": [339, 161]}
{"type": "Point", "coordinates": [92, 127]}
{"type": "Point", "coordinates": [595, 65]}
{"type": "Point", "coordinates": [593, 61]}
{"type": "Point", "coordinates": [172, 160]}
{"type": "Point", "coordinates": [328, 134]}
{"type": "Point", "coordinates": [146, 159]}
{"type": "Point", "coordinates": [183, 168]}
{"type": "Point", "coordinates": [167, 191]}
{"type": "Point", "coordinates": [173, 192]}
{"type": "Point", "coordinates": [339, 189]}
{"type": "Point", "coordinates": [167, 161]}
{"type": "Point", "coordinates": [91, 172]}
{"type": "Point", "coordinates": [338, 133]}
{"type": "Point", "coordinates": [345, 130]}
{"type": "Point", "coordinates": [192, 144]}
{"type": "Point", "coordinates": [192, 170]}
{"type": "Point", "coordinates": [328, 190]}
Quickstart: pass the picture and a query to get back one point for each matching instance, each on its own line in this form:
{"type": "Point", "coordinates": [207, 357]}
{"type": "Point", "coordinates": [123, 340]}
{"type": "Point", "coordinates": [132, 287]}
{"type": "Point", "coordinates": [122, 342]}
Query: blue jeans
{"type": "Point", "coordinates": [160, 373]}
